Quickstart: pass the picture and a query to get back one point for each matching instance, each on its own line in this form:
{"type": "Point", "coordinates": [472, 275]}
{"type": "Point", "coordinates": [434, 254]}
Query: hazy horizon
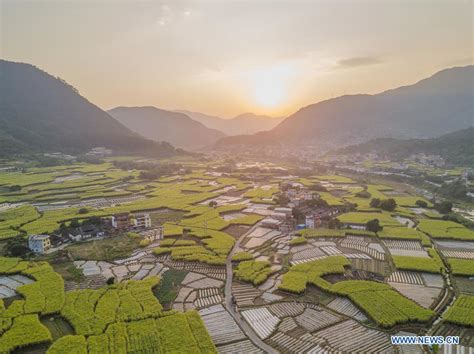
{"type": "Point", "coordinates": [228, 58]}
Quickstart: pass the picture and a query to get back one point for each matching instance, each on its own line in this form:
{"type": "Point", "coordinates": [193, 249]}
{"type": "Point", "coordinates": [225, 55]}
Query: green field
{"type": "Point", "coordinates": [445, 229]}
{"type": "Point", "coordinates": [124, 317]}
{"type": "Point", "coordinates": [462, 266]}
{"type": "Point", "coordinates": [255, 272]}
{"type": "Point", "coordinates": [462, 311]}
{"type": "Point", "coordinates": [433, 264]}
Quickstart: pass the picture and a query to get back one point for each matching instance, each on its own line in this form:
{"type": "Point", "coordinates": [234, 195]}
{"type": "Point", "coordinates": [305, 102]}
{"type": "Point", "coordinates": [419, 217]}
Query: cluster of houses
{"type": "Point", "coordinates": [296, 194]}
{"type": "Point", "coordinates": [122, 222]}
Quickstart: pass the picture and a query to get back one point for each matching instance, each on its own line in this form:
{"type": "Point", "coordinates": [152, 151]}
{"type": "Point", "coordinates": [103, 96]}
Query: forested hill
{"type": "Point", "coordinates": [42, 113]}
{"type": "Point", "coordinates": [457, 148]}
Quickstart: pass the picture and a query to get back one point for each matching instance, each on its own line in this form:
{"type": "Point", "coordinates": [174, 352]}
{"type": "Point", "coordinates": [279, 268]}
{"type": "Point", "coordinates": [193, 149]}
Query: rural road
{"type": "Point", "coordinates": [249, 332]}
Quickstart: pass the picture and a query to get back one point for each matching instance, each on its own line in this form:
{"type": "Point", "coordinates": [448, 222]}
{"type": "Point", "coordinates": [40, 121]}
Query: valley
{"type": "Point", "coordinates": [288, 257]}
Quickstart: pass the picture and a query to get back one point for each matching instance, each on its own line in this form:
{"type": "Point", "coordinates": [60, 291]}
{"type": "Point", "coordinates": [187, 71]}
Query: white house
{"type": "Point", "coordinates": [39, 243]}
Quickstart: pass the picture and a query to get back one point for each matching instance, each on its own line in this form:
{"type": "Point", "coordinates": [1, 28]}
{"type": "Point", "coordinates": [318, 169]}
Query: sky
{"type": "Point", "coordinates": [229, 57]}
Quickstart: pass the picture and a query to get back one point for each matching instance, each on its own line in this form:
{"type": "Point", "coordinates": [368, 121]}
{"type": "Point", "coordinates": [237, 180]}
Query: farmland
{"type": "Point", "coordinates": [109, 317]}
{"type": "Point", "coordinates": [292, 286]}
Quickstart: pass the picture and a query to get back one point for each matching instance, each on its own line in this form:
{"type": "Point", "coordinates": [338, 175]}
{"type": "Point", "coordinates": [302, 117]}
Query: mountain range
{"type": "Point", "coordinates": [161, 125]}
{"type": "Point", "coordinates": [42, 113]}
{"type": "Point", "coordinates": [246, 123]}
{"type": "Point", "coordinates": [431, 107]}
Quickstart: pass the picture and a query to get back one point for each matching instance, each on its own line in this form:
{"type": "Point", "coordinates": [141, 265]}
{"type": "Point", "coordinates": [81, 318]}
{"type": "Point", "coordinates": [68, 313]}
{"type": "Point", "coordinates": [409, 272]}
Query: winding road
{"type": "Point", "coordinates": [249, 332]}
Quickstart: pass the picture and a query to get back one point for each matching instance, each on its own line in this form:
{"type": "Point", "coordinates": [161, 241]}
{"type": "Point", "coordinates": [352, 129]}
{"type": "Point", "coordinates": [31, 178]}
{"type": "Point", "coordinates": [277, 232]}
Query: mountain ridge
{"type": "Point", "coordinates": [162, 125]}
{"type": "Point", "coordinates": [455, 147]}
{"type": "Point", "coordinates": [243, 123]}
{"type": "Point", "coordinates": [412, 111]}
{"type": "Point", "coordinates": [42, 113]}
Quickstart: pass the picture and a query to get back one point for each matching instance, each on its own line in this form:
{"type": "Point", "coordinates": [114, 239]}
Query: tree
{"type": "Point", "coordinates": [15, 188]}
{"type": "Point", "coordinates": [388, 204]}
{"type": "Point", "coordinates": [83, 211]}
{"type": "Point", "coordinates": [444, 207]}
{"type": "Point", "coordinates": [334, 224]}
{"type": "Point", "coordinates": [74, 223]}
{"type": "Point", "coordinates": [212, 203]}
{"type": "Point", "coordinates": [363, 194]}
{"type": "Point", "coordinates": [110, 281]}
{"type": "Point", "coordinates": [375, 203]}
{"type": "Point", "coordinates": [421, 203]}
{"type": "Point", "coordinates": [374, 225]}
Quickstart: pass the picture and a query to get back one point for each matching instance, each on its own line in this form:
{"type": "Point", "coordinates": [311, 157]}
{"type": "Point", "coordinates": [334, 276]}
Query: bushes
{"type": "Point", "coordinates": [255, 272]}
{"type": "Point", "coordinates": [462, 311]}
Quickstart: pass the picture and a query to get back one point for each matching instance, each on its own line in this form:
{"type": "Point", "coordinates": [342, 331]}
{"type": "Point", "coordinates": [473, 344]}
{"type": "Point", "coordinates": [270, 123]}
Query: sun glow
{"type": "Point", "coordinates": [270, 85]}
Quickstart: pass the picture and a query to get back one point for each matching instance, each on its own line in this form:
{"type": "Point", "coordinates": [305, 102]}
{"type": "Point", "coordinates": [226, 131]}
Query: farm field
{"type": "Point", "coordinates": [296, 289]}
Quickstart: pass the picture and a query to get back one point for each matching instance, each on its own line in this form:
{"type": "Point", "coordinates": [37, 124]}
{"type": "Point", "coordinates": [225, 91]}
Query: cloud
{"type": "Point", "coordinates": [359, 61]}
{"type": "Point", "coordinates": [166, 15]}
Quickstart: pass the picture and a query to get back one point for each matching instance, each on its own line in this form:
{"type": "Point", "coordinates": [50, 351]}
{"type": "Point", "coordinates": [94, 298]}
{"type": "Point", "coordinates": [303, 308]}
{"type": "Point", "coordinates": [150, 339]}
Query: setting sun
{"type": "Point", "coordinates": [271, 85]}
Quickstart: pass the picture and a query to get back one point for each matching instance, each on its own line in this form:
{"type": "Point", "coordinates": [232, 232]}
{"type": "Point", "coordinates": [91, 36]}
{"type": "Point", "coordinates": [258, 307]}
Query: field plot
{"type": "Point", "coordinates": [432, 264]}
{"type": "Point", "coordinates": [406, 278]}
{"type": "Point", "coordinates": [244, 294]}
{"type": "Point", "coordinates": [361, 218]}
{"type": "Point", "coordinates": [244, 346]}
{"type": "Point", "coordinates": [110, 317]}
{"type": "Point", "coordinates": [423, 295]}
{"type": "Point", "coordinates": [364, 340]}
{"type": "Point", "coordinates": [462, 266]}
{"type": "Point", "coordinates": [381, 302]}
{"type": "Point", "coordinates": [197, 291]}
{"type": "Point", "coordinates": [289, 344]}
{"type": "Point", "coordinates": [316, 318]}
{"type": "Point", "coordinates": [135, 271]}
{"type": "Point", "coordinates": [362, 244]}
{"type": "Point", "coordinates": [346, 307]}
{"type": "Point", "coordinates": [9, 283]}
{"type": "Point", "coordinates": [456, 249]}
{"type": "Point", "coordinates": [221, 326]}
{"type": "Point", "coordinates": [401, 232]}
{"type": "Point", "coordinates": [262, 321]}
{"type": "Point", "coordinates": [462, 311]}
{"type": "Point", "coordinates": [212, 271]}
{"type": "Point", "coordinates": [406, 248]}
{"type": "Point", "coordinates": [446, 230]}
